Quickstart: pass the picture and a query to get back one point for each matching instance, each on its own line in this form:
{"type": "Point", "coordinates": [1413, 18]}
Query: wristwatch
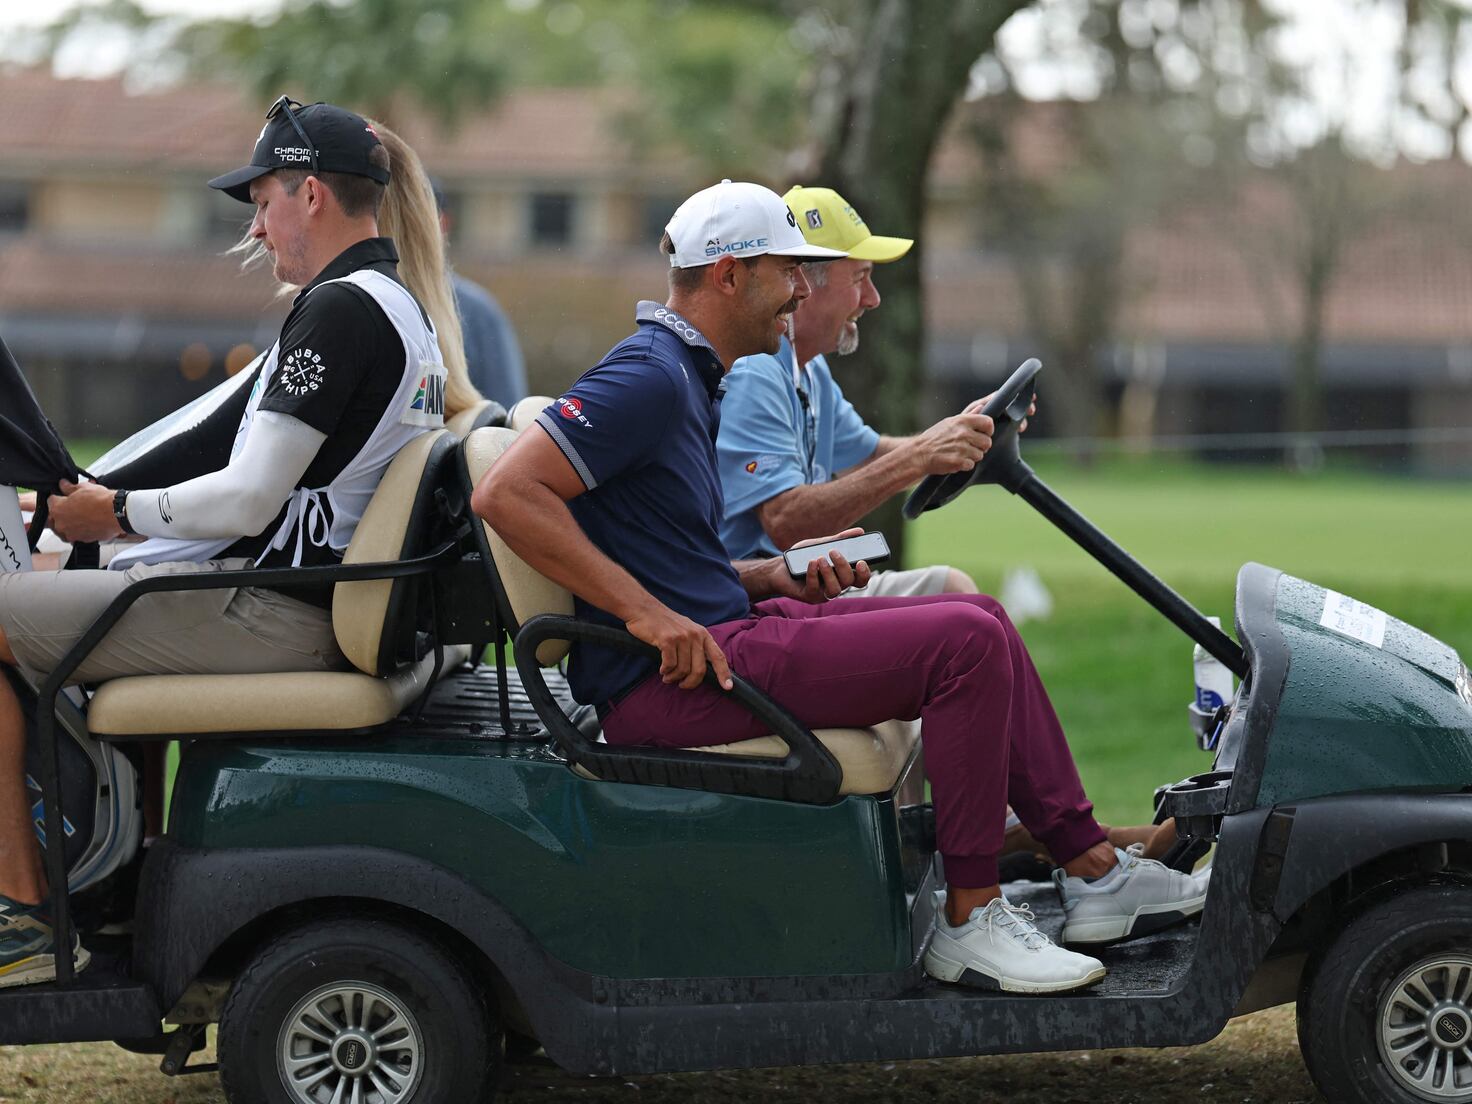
{"type": "Point", "coordinates": [120, 511]}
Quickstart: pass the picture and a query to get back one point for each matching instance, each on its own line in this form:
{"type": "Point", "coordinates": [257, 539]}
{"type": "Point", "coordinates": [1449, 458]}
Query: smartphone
{"type": "Point", "coordinates": [872, 548]}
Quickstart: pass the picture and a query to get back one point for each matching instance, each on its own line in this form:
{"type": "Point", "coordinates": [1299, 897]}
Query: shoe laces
{"type": "Point", "coordinates": [1017, 921]}
{"type": "Point", "coordinates": [1136, 852]}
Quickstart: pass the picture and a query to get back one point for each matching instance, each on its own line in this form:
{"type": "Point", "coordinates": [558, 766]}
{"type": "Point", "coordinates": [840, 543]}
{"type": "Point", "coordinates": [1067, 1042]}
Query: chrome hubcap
{"type": "Point", "coordinates": [1426, 1028]}
{"type": "Point", "coordinates": [350, 1043]}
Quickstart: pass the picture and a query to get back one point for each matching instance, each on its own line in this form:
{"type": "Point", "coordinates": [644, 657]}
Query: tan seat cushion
{"type": "Point", "coordinates": [525, 412]}
{"type": "Point", "coordinates": [872, 758]}
{"type": "Point", "coordinates": [528, 593]}
{"type": "Point", "coordinates": [462, 423]}
{"type": "Point", "coordinates": [360, 609]}
{"type": "Point", "coordinates": [167, 705]}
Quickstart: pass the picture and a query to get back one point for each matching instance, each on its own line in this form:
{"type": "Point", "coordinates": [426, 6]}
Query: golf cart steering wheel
{"type": "Point", "coordinates": [1007, 409]}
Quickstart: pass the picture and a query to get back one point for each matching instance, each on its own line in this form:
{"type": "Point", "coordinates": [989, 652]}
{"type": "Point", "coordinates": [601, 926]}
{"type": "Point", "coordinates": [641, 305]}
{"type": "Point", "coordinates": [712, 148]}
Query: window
{"type": "Point", "coordinates": [15, 203]}
{"type": "Point", "coordinates": [228, 219]}
{"type": "Point", "coordinates": [657, 212]}
{"type": "Point", "coordinates": [551, 219]}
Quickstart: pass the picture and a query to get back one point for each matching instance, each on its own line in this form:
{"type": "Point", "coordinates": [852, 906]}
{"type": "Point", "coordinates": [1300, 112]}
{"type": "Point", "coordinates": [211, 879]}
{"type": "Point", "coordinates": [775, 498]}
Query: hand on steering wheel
{"type": "Point", "coordinates": [956, 443]}
{"type": "Point", "coordinates": [1008, 409]}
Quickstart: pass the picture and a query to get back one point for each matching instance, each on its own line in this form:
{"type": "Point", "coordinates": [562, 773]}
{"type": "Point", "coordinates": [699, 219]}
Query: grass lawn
{"type": "Point", "coordinates": [1119, 673]}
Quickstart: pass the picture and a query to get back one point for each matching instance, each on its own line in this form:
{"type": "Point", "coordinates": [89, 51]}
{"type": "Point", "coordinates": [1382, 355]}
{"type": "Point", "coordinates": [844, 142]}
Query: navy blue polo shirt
{"type": "Point", "coordinates": [640, 429]}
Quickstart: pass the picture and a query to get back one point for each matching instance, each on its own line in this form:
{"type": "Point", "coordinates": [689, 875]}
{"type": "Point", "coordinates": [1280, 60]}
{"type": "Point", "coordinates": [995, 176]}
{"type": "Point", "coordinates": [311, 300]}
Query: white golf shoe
{"type": "Point", "coordinates": [1138, 897]}
{"type": "Point", "coordinates": [1000, 947]}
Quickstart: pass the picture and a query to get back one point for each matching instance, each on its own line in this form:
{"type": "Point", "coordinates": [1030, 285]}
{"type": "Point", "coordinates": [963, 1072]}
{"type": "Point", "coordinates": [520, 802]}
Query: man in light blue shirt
{"type": "Point", "coordinates": [796, 460]}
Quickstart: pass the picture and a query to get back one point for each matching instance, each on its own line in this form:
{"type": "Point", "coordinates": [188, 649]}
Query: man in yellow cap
{"type": "Point", "coordinates": [796, 460]}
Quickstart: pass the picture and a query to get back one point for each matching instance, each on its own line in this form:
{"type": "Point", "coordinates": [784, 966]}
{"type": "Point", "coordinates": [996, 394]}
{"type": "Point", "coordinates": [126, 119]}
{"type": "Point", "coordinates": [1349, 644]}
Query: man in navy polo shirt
{"type": "Point", "coordinates": [615, 495]}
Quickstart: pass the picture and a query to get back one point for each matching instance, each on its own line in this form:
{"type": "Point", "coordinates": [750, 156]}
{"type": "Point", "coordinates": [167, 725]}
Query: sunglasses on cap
{"type": "Point", "coordinates": [284, 106]}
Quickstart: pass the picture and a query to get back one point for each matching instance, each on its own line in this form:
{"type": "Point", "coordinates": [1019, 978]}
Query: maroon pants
{"type": "Point", "coordinates": [955, 661]}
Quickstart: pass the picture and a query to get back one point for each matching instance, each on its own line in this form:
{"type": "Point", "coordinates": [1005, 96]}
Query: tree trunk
{"type": "Point", "coordinates": [1324, 196]}
{"type": "Point", "coordinates": [886, 113]}
{"type": "Point", "coordinates": [1305, 397]}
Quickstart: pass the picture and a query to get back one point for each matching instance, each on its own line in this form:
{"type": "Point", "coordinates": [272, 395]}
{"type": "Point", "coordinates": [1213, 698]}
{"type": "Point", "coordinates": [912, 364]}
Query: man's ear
{"type": "Point", "coordinates": [726, 275]}
{"type": "Point", "coordinates": [318, 196]}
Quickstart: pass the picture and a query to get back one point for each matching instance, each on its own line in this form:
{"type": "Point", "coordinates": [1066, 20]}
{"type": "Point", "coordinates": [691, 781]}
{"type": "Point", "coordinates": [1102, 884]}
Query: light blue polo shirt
{"type": "Point", "coordinates": [781, 428]}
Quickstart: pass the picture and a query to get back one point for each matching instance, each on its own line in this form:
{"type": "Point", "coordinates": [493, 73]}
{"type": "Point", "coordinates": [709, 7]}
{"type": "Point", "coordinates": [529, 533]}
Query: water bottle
{"type": "Point", "coordinates": [1214, 689]}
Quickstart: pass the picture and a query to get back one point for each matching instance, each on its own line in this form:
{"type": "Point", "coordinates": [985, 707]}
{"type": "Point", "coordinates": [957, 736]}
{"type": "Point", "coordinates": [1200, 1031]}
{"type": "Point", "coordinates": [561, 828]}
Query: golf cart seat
{"type": "Point", "coordinates": [374, 622]}
{"type": "Point", "coordinates": [487, 412]}
{"type": "Point", "coordinates": [871, 759]}
{"type": "Point", "coordinates": [524, 413]}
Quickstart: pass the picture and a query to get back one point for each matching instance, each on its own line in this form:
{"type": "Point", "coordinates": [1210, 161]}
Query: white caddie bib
{"type": "Point", "coordinates": [329, 516]}
{"type": "Point", "coordinates": [15, 551]}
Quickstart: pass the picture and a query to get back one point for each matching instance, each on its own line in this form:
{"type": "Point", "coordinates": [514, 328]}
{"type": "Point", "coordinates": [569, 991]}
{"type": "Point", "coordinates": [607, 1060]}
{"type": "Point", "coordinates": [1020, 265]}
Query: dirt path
{"type": "Point", "coordinates": [1255, 1061]}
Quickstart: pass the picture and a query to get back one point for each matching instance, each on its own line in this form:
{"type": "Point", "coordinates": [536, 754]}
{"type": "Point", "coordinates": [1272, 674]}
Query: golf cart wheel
{"type": "Point", "coordinates": [349, 1011]}
{"type": "Point", "coordinates": [1385, 1014]}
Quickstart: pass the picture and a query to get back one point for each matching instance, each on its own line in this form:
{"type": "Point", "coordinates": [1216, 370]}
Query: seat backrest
{"type": "Point", "coordinates": [487, 412]}
{"type": "Point", "coordinates": [523, 593]}
{"type": "Point", "coordinates": [524, 413]}
{"type": "Point", "coordinates": [374, 621]}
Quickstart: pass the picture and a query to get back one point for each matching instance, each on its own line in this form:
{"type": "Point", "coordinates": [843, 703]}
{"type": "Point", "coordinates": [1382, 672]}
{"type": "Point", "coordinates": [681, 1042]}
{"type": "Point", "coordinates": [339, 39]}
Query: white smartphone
{"type": "Point", "coordinates": [872, 548]}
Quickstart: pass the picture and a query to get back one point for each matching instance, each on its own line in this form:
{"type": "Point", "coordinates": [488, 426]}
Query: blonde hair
{"type": "Point", "coordinates": [410, 216]}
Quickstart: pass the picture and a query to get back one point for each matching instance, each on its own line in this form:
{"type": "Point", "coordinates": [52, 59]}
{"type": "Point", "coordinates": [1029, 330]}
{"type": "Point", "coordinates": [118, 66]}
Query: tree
{"type": "Point", "coordinates": [1065, 229]}
{"type": "Point", "coordinates": [883, 93]}
{"type": "Point", "coordinates": [1127, 99]}
{"type": "Point", "coordinates": [1313, 176]}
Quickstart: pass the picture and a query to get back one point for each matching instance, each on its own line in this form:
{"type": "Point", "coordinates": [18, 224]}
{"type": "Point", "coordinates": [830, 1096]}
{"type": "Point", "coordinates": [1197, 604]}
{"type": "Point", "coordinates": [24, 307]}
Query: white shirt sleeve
{"type": "Point", "coordinates": [240, 499]}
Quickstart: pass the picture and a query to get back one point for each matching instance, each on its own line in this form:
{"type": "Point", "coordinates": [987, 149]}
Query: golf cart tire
{"type": "Point", "coordinates": [460, 1052]}
{"type": "Point", "coordinates": [1339, 1006]}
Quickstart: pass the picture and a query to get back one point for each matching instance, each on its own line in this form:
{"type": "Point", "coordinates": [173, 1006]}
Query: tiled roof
{"type": "Point", "coordinates": [1402, 283]}
{"type": "Point", "coordinates": [201, 127]}
{"type": "Point", "coordinates": [37, 276]}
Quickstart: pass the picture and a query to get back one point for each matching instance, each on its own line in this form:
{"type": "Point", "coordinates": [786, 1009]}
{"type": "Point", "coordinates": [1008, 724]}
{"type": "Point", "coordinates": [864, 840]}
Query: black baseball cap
{"type": "Point", "coordinates": [319, 138]}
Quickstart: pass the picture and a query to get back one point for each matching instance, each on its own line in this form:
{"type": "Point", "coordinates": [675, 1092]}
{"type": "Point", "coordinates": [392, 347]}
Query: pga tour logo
{"type": "Point", "coordinates": [572, 410]}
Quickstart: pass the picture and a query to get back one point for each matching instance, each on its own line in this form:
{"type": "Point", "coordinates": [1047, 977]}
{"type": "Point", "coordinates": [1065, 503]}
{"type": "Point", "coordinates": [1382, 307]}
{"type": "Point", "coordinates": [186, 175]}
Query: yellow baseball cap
{"type": "Point", "coordinates": [826, 218]}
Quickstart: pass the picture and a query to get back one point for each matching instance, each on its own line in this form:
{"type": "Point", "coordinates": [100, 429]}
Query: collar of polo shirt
{"type": "Point", "coordinates": [711, 371]}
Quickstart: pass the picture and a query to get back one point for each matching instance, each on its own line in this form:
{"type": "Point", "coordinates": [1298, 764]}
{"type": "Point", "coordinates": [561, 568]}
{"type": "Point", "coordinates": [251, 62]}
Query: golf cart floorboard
{"type": "Point", "coordinates": [1151, 965]}
{"type": "Point", "coordinates": [467, 703]}
{"type": "Point", "coordinates": [103, 1002]}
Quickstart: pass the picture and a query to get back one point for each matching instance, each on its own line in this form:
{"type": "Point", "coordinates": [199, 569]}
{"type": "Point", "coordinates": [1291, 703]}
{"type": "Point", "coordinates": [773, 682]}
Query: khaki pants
{"type": "Point", "coordinates": [232, 630]}
{"type": "Point", "coordinates": [919, 583]}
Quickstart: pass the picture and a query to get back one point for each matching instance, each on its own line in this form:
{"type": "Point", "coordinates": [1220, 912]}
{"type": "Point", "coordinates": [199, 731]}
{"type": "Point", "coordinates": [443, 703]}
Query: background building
{"type": "Point", "coordinates": [114, 270]}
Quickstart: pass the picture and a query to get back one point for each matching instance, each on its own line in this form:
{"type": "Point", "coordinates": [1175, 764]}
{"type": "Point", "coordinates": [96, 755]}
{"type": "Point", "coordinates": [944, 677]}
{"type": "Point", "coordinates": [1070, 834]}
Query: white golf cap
{"type": "Point", "coordinates": [738, 220]}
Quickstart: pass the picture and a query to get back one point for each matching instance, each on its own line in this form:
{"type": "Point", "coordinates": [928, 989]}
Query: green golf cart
{"type": "Point", "coordinates": [380, 883]}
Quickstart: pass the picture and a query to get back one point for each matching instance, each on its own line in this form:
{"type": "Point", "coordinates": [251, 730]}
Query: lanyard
{"type": "Point", "coordinates": [810, 418]}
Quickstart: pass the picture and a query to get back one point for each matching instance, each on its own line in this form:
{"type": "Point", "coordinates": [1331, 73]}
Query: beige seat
{"type": "Point", "coordinates": [524, 413]}
{"type": "Point", "coordinates": [872, 759]}
{"type": "Point", "coordinates": [373, 622]}
{"type": "Point", "coordinates": [487, 412]}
